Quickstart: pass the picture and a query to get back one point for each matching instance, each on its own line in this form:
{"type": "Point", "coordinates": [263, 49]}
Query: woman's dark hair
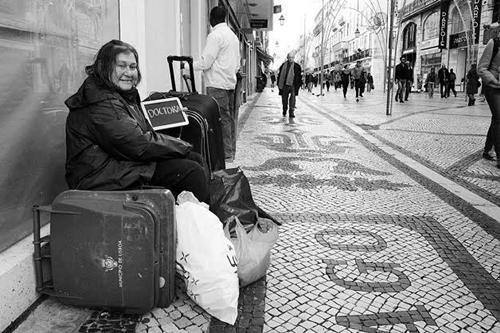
{"type": "Point", "coordinates": [105, 59]}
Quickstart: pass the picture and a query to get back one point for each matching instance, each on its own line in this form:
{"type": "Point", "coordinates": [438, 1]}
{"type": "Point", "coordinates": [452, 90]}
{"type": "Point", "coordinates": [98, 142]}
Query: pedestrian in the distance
{"type": "Point", "coordinates": [345, 77]}
{"type": "Point", "coordinates": [289, 82]}
{"type": "Point", "coordinates": [430, 82]}
{"type": "Point", "coordinates": [401, 78]}
{"type": "Point", "coordinates": [444, 78]}
{"type": "Point", "coordinates": [220, 61]}
{"type": "Point", "coordinates": [472, 84]}
{"type": "Point", "coordinates": [369, 82]}
{"type": "Point", "coordinates": [309, 82]}
{"type": "Point", "coordinates": [273, 79]}
{"type": "Point", "coordinates": [451, 83]}
{"type": "Point", "coordinates": [489, 69]}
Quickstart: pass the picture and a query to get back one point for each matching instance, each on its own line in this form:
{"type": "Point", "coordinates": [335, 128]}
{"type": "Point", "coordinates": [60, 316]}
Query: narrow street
{"type": "Point", "coordinates": [390, 223]}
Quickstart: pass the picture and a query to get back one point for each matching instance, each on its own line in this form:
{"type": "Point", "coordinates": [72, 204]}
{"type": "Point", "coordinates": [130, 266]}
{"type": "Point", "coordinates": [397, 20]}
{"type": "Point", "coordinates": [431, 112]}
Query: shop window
{"type": "Point", "coordinates": [461, 19]}
{"type": "Point", "coordinates": [429, 61]}
{"type": "Point", "coordinates": [45, 46]}
{"type": "Point", "coordinates": [431, 26]}
{"type": "Point", "coordinates": [409, 36]}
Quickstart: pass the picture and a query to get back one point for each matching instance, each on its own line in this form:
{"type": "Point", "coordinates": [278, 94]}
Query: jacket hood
{"type": "Point", "coordinates": [90, 92]}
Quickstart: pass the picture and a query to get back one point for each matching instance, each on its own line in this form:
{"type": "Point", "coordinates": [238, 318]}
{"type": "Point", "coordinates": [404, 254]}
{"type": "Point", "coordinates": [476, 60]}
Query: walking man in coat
{"type": "Point", "coordinates": [220, 62]}
{"type": "Point", "coordinates": [289, 82]}
{"type": "Point", "coordinates": [401, 76]}
{"type": "Point", "coordinates": [358, 74]}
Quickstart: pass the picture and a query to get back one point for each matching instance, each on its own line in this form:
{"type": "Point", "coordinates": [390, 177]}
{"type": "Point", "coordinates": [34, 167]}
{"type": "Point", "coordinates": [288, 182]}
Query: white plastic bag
{"type": "Point", "coordinates": [253, 249]}
{"type": "Point", "coordinates": [206, 259]}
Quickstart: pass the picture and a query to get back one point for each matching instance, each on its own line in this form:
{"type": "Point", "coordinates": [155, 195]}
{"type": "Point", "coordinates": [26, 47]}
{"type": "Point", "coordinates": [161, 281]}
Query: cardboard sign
{"type": "Point", "coordinates": [164, 113]}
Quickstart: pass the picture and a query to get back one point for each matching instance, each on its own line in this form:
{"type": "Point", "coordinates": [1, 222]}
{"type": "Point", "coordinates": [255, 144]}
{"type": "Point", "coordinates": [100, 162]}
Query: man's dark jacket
{"type": "Point", "coordinates": [297, 76]}
{"type": "Point", "coordinates": [402, 72]}
{"type": "Point", "coordinates": [443, 75]}
{"type": "Point", "coordinates": [109, 143]}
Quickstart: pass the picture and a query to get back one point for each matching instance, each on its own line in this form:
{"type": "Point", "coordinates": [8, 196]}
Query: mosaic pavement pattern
{"type": "Point", "coordinates": [367, 244]}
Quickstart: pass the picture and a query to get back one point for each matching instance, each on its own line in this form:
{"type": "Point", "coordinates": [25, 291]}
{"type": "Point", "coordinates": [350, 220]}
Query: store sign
{"type": "Point", "coordinates": [443, 24]}
{"type": "Point", "coordinates": [164, 113]}
{"type": "Point", "coordinates": [460, 39]}
{"type": "Point", "coordinates": [475, 5]}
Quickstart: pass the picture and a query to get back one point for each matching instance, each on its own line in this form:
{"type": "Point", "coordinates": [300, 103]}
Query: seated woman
{"type": "Point", "coordinates": [109, 143]}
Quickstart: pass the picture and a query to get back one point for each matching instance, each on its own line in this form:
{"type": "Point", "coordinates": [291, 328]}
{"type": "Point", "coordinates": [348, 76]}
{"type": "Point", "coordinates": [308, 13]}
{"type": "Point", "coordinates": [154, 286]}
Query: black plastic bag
{"type": "Point", "coordinates": [230, 195]}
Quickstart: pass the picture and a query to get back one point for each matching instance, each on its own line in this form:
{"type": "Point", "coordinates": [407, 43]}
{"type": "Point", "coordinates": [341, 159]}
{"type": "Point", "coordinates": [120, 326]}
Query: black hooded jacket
{"type": "Point", "coordinates": [109, 143]}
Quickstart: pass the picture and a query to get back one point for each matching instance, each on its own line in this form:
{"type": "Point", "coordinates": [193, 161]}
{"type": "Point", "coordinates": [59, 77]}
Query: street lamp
{"type": "Point", "coordinates": [282, 19]}
{"type": "Point", "coordinates": [357, 33]}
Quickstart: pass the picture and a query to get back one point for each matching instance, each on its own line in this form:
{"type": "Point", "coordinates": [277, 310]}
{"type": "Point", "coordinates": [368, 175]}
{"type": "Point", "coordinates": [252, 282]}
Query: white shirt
{"type": "Point", "coordinates": [220, 59]}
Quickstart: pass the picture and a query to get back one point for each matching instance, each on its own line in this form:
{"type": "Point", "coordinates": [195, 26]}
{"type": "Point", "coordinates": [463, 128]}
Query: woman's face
{"type": "Point", "coordinates": [124, 74]}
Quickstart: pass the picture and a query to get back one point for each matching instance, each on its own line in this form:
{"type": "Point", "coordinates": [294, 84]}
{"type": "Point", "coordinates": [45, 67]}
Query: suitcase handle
{"type": "Point", "coordinates": [38, 257]}
{"type": "Point", "coordinates": [189, 60]}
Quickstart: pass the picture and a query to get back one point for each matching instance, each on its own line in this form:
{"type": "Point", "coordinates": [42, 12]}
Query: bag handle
{"type": "Point", "coordinates": [239, 228]}
{"type": "Point", "coordinates": [189, 60]}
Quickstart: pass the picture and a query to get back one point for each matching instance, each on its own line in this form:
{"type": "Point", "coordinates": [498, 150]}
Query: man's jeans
{"type": "Point", "coordinates": [400, 94]}
{"type": "Point", "coordinates": [228, 114]}
{"type": "Point", "coordinates": [288, 97]}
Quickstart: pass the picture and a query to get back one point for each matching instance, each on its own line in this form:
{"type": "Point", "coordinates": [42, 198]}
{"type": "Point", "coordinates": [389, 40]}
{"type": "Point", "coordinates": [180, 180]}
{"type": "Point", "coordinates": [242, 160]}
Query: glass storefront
{"type": "Point", "coordinates": [45, 46]}
{"type": "Point", "coordinates": [428, 61]}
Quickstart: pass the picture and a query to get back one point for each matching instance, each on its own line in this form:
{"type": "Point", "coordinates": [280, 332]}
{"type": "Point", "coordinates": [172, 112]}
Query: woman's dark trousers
{"type": "Point", "coordinates": [493, 137]}
{"type": "Point", "coordinates": [183, 174]}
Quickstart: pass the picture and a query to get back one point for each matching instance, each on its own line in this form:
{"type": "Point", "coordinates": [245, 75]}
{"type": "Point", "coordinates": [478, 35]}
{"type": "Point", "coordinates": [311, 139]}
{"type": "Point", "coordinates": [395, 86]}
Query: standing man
{"type": "Point", "coordinates": [220, 61]}
{"type": "Point", "coordinates": [289, 82]}
{"type": "Point", "coordinates": [401, 76]}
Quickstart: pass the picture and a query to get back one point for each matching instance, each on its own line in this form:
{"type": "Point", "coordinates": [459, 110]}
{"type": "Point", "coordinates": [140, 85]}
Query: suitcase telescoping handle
{"type": "Point", "coordinates": [187, 59]}
{"type": "Point", "coordinates": [43, 283]}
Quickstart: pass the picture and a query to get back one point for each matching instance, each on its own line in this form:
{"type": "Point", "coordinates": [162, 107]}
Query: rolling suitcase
{"type": "Point", "coordinates": [204, 129]}
{"type": "Point", "coordinates": [112, 250]}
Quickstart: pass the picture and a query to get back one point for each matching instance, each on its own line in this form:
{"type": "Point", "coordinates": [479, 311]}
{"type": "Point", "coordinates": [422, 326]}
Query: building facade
{"type": "Point", "coordinates": [45, 47]}
{"type": "Point", "coordinates": [352, 31]}
{"type": "Point", "coordinates": [453, 33]}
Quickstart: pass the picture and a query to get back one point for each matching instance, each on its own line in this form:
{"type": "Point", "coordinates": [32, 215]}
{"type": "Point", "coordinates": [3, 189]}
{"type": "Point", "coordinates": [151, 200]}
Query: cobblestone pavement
{"type": "Point", "coordinates": [369, 241]}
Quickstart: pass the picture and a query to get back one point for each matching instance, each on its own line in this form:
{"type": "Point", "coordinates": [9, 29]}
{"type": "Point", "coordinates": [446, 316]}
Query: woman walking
{"type": "Point", "coordinates": [472, 84]}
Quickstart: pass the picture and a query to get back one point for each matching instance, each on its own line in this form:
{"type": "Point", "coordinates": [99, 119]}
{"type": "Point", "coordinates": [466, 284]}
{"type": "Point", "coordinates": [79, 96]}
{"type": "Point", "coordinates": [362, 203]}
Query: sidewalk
{"type": "Point", "coordinates": [389, 223]}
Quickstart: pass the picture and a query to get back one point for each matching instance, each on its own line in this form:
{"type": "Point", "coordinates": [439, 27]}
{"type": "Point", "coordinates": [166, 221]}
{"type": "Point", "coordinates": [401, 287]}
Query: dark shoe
{"type": "Point", "coordinates": [487, 156]}
{"type": "Point", "coordinates": [284, 114]}
{"type": "Point", "coordinates": [401, 101]}
{"type": "Point", "coordinates": [357, 99]}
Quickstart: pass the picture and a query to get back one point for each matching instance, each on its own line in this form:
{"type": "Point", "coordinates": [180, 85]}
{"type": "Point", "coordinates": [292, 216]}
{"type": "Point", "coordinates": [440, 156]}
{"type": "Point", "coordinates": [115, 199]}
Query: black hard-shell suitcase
{"type": "Point", "coordinates": [204, 129]}
{"type": "Point", "coordinates": [113, 250]}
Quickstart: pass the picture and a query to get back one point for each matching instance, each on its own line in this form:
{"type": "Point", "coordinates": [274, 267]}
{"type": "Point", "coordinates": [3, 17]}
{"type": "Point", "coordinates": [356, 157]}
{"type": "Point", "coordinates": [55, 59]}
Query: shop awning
{"type": "Point", "coordinates": [262, 55]}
